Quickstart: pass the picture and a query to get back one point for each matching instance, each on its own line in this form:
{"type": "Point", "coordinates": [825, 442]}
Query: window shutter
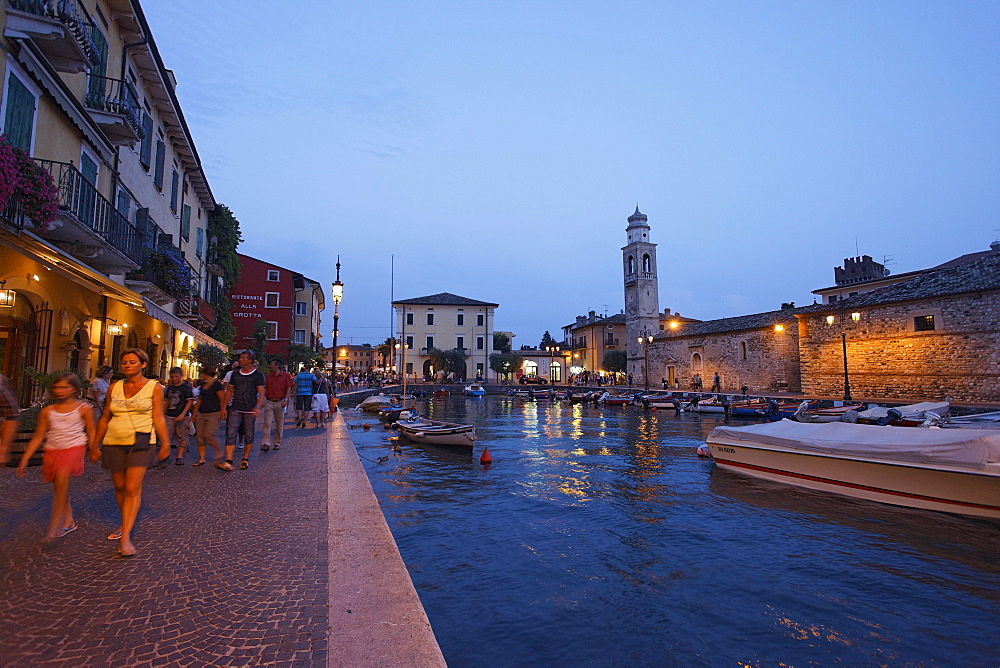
{"type": "Point", "coordinates": [158, 168]}
{"type": "Point", "coordinates": [173, 191]}
{"type": "Point", "coordinates": [199, 242]}
{"type": "Point", "coordinates": [146, 147]}
{"type": "Point", "coordinates": [20, 115]}
{"type": "Point", "coordinates": [186, 223]}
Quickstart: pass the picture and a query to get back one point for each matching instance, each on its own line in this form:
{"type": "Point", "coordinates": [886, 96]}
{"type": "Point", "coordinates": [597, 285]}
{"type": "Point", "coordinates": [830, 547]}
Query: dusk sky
{"type": "Point", "coordinates": [496, 149]}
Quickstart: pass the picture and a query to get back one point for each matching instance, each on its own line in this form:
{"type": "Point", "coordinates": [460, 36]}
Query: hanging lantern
{"type": "Point", "coordinates": [6, 296]}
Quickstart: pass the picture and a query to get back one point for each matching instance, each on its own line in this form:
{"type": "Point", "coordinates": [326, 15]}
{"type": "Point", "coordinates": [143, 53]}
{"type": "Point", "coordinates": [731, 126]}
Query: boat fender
{"type": "Point", "coordinates": [850, 417]}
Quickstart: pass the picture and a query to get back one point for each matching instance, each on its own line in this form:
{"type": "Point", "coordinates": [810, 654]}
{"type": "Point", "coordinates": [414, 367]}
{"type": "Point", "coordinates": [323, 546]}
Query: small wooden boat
{"type": "Point", "coordinates": [834, 414]}
{"type": "Point", "coordinates": [441, 394]}
{"type": "Point", "coordinates": [951, 470]}
{"type": "Point", "coordinates": [609, 399]}
{"type": "Point", "coordinates": [475, 390]}
{"type": "Point", "coordinates": [436, 432]}
{"type": "Point", "coordinates": [583, 397]}
{"type": "Point", "coordinates": [709, 405]}
{"type": "Point", "coordinates": [661, 401]}
{"type": "Point", "coordinates": [375, 403]}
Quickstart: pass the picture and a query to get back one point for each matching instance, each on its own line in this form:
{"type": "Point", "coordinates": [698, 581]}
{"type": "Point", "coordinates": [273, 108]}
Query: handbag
{"type": "Point", "coordinates": [142, 441]}
{"type": "Point", "coordinates": [191, 429]}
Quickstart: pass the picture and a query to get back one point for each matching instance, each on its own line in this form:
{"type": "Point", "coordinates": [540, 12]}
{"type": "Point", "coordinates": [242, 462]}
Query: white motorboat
{"type": "Point", "coordinates": [834, 414]}
{"type": "Point", "coordinates": [911, 415]}
{"type": "Point", "coordinates": [475, 390]}
{"type": "Point", "coordinates": [435, 432]}
{"type": "Point", "coordinates": [976, 421]}
{"type": "Point", "coordinates": [375, 403]}
{"type": "Point", "coordinates": [951, 470]}
{"type": "Point", "coordinates": [709, 405]}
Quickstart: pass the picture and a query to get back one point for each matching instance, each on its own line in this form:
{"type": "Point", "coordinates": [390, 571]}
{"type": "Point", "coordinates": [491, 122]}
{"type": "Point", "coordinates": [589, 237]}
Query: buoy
{"type": "Point", "coordinates": [486, 457]}
{"type": "Point", "coordinates": [367, 426]}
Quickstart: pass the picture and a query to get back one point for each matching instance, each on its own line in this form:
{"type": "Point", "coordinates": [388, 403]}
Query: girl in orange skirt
{"type": "Point", "coordinates": [66, 427]}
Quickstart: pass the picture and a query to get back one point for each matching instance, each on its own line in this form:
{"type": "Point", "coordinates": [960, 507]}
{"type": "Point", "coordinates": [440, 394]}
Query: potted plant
{"type": "Point", "coordinates": [28, 183]}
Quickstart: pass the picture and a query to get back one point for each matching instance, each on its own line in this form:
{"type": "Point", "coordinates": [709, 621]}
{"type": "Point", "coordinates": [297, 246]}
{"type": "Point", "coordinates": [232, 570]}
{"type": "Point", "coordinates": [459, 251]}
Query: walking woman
{"type": "Point", "coordinates": [131, 425]}
{"type": "Point", "coordinates": [65, 427]}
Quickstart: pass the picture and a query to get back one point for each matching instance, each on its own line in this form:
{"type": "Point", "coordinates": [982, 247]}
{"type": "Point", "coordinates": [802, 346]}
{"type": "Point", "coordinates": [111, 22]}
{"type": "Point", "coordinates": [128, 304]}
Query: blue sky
{"type": "Point", "coordinates": [496, 149]}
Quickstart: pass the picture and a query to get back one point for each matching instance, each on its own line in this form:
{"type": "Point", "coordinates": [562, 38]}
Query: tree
{"type": "Point", "coordinates": [205, 355]}
{"type": "Point", "coordinates": [505, 363]}
{"type": "Point", "coordinates": [259, 337]}
{"type": "Point", "coordinates": [501, 342]}
{"type": "Point", "coordinates": [225, 237]}
{"type": "Point", "coordinates": [300, 353]}
{"type": "Point", "coordinates": [387, 349]}
{"type": "Point", "coordinates": [547, 341]}
{"type": "Point", "coordinates": [615, 360]}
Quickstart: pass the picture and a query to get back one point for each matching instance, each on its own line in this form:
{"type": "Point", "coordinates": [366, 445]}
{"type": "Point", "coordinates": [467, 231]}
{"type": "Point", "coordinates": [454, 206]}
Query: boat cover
{"type": "Point", "coordinates": [913, 411]}
{"type": "Point", "coordinates": [969, 448]}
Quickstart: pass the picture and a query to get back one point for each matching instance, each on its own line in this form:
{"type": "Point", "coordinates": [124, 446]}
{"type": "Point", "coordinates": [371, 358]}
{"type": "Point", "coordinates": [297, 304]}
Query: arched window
{"type": "Point", "coordinates": [631, 265]}
{"type": "Point", "coordinates": [555, 372]}
{"type": "Point", "coordinates": [646, 263]}
{"type": "Point", "coordinates": [743, 350]}
{"type": "Point", "coordinates": [696, 361]}
{"type": "Point", "coordinates": [531, 368]}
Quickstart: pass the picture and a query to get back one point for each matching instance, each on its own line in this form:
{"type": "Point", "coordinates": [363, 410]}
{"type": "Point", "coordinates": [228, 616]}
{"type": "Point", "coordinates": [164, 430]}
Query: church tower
{"type": "Point", "coordinates": [642, 299]}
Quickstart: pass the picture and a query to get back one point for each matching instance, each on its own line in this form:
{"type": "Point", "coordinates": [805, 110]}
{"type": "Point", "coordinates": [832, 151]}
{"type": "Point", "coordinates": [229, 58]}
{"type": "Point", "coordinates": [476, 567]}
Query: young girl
{"type": "Point", "coordinates": [66, 427]}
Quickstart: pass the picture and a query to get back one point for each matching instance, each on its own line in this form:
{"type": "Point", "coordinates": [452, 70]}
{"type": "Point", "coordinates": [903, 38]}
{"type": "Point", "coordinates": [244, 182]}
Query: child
{"type": "Point", "coordinates": [66, 426]}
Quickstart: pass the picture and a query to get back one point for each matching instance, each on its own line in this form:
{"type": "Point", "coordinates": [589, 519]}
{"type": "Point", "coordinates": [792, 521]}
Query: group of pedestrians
{"type": "Point", "coordinates": [135, 418]}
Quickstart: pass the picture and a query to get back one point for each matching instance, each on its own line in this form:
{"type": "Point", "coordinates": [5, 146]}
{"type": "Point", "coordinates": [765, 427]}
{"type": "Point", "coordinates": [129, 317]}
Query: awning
{"type": "Point", "coordinates": [165, 316]}
{"type": "Point", "coordinates": [35, 248]}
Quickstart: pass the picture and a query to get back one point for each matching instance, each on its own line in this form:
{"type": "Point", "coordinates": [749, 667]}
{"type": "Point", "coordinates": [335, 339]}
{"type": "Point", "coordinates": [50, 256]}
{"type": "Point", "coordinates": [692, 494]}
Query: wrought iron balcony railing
{"type": "Point", "coordinates": [71, 14]}
{"type": "Point", "coordinates": [78, 197]}
{"type": "Point", "coordinates": [114, 96]}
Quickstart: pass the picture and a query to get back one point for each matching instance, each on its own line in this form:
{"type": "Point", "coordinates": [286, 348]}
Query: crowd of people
{"type": "Point", "coordinates": [133, 423]}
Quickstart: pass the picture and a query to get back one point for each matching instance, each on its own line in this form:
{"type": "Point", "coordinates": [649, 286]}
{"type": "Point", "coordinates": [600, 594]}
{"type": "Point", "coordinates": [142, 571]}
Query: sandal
{"type": "Point", "coordinates": [244, 465]}
{"type": "Point", "coordinates": [179, 462]}
{"type": "Point", "coordinates": [115, 535]}
{"type": "Point", "coordinates": [69, 529]}
{"type": "Point", "coordinates": [201, 463]}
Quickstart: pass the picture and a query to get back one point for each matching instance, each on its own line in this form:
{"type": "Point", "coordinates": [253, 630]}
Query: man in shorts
{"type": "Point", "coordinates": [178, 398]}
{"type": "Point", "coordinates": [241, 405]}
{"type": "Point", "coordinates": [278, 386]}
{"type": "Point", "coordinates": [304, 383]}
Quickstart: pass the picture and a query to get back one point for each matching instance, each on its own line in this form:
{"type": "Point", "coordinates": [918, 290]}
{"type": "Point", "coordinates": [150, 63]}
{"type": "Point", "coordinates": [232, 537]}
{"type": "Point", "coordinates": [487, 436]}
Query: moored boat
{"type": "Point", "coordinates": [436, 432]}
{"type": "Point", "coordinates": [805, 413]}
{"type": "Point", "coordinates": [709, 405]}
{"type": "Point", "coordinates": [375, 403]}
{"type": "Point", "coordinates": [609, 399]}
{"type": "Point", "coordinates": [475, 390]}
{"type": "Point", "coordinates": [955, 471]}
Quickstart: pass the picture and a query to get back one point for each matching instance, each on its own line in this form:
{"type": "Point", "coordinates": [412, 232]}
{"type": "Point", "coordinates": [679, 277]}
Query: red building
{"type": "Point", "coordinates": [265, 292]}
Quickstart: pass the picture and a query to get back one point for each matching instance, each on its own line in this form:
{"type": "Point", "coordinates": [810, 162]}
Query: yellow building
{"type": "Point", "coordinates": [126, 261]}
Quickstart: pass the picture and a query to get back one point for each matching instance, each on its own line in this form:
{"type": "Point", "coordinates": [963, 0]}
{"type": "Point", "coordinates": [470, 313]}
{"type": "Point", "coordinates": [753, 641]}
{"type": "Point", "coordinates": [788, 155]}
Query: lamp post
{"type": "Point", "coordinates": [337, 291]}
{"type": "Point", "coordinates": [830, 320]}
{"type": "Point", "coordinates": [645, 338]}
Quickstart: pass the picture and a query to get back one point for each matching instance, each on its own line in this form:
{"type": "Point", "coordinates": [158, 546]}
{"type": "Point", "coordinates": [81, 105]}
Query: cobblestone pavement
{"type": "Point", "coordinates": [231, 568]}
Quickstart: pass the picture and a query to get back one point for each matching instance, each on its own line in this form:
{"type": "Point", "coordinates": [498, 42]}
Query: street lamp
{"type": "Point", "coordinates": [830, 320]}
{"type": "Point", "coordinates": [337, 291]}
{"type": "Point", "coordinates": [645, 338]}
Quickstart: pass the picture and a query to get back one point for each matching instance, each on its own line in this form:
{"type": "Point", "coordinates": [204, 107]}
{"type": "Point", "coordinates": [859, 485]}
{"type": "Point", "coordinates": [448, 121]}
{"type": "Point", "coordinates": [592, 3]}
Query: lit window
{"type": "Point", "coordinates": [923, 323]}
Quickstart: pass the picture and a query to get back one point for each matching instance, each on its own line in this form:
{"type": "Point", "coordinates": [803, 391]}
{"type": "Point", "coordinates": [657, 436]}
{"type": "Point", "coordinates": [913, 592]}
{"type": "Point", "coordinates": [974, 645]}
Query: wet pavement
{"type": "Point", "coordinates": [231, 568]}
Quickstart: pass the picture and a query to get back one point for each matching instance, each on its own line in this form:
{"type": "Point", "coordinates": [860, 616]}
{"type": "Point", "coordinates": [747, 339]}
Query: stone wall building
{"type": "Point", "coordinates": [933, 336]}
{"type": "Point", "coordinates": [759, 351]}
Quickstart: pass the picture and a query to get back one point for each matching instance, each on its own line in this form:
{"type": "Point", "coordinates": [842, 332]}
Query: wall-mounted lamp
{"type": "Point", "coordinates": [115, 329]}
{"type": "Point", "coordinates": [856, 317]}
{"type": "Point", "coordinates": [779, 328]}
{"type": "Point", "coordinates": [674, 324]}
{"type": "Point", "coordinates": [33, 277]}
{"type": "Point", "coordinates": [6, 296]}
{"type": "Point", "coordinates": [830, 319]}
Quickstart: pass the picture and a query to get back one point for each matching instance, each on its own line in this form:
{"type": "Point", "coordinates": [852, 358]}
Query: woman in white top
{"type": "Point", "coordinates": [131, 425]}
{"type": "Point", "coordinates": [99, 388]}
{"type": "Point", "coordinates": [66, 427]}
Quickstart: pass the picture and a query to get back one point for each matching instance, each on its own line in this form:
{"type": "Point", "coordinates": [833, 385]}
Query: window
{"type": "Point", "coordinates": [460, 320]}
{"type": "Point", "coordinates": [923, 323]}
{"type": "Point", "coordinates": [273, 275]}
{"type": "Point", "coordinates": [852, 294]}
{"type": "Point", "coordinates": [430, 319]}
{"type": "Point", "coordinates": [646, 263]}
{"type": "Point", "coordinates": [480, 319]}
{"type": "Point", "coordinates": [158, 164]}
{"type": "Point", "coordinates": [146, 146]}
{"type": "Point", "coordinates": [460, 342]}
{"type": "Point", "coordinates": [409, 343]}
{"type": "Point", "coordinates": [19, 113]}
{"type": "Point", "coordinates": [272, 300]}
{"type": "Point", "coordinates": [743, 350]}
{"type": "Point", "coordinates": [272, 330]}
{"type": "Point", "coordinates": [479, 368]}
{"type": "Point", "coordinates": [299, 336]}
{"type": "Point", "coordinates": [833, 298]}
{"type": "Point", "coordinates": [480, 342]}
{"type": "Point", "coordinates": [696, 361]}
{"type": "Point", "coordinates": [124, 203]}
{"type": "Point", "coordinates": [186, 223]}
{"type": "Point", "coordinates": [631, 265]}
{"type": "Point", "coordinates": [301, 308]}
{"type": "Point", "coordinates": [430, 342]}
{"type": "Point", "coordinates": [174, 181]}
{"type": "Point", "coordinates": [409, 367]}
{"type": "Point", "coordinates": [409, 318]}
{"type": "Point", "coordinates": [199, 245]}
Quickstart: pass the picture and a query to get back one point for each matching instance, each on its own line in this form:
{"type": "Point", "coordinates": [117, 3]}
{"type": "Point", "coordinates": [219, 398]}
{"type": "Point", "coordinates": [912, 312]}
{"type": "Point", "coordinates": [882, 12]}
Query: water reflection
{"type": "Point", "coordinates": [598, 537]}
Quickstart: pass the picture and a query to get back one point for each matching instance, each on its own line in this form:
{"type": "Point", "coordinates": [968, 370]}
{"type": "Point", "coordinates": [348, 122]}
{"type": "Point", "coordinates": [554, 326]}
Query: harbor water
{"type": "Point", "coordinates": [598, 537]}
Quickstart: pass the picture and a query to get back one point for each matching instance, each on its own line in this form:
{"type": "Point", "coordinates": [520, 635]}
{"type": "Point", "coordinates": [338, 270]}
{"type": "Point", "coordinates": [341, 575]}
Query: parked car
{"type": "Point", "coordinates": [533, 380]}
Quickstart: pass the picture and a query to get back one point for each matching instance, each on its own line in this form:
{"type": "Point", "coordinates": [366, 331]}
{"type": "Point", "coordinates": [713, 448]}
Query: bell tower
{"type": "Point", "coordinates": [642, 299]}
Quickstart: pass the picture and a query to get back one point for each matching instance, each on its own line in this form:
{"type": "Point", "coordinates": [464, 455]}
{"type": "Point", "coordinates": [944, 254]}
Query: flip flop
{"type": "Point", "coordinates": [70, 529]}
{"type": "Point", "coordinates": [115, 535]}
{"type": "Point", "coordinates": [198, 464]}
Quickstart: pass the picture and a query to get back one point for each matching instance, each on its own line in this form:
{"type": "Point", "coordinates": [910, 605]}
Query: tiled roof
{"type": "Point", "coordinates": [740, 323]}
{"type": "Point", "coordinates": [616, 319]}
{"type": "Point", "coordinates": [444, 299]}
{"type": "Point", "coordinates": [981, 274]}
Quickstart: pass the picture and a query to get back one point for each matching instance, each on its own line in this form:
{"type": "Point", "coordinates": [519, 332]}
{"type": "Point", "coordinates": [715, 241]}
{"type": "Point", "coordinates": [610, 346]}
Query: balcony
{"type": "Point", "coordinates": [611, 342]}
{"type": "Point", "coordinates": [88, 226]}
{"type": "Point", "coordinates": [197, 311]}
{"type": "Point", "coordinates": [61, 29]}
{"type": "Point", "coordinates": [114, 106]}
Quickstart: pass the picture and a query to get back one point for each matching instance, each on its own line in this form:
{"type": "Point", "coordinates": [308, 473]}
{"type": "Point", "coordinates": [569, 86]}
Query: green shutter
{"type": "Point", "coordinates": [146, 147]}
{"type": "Point", "coordinates": [186, 223]}
{"type": "Point", "coordinates": [18, 121]}
{"type": "Point", "coordinates": [158, 169]}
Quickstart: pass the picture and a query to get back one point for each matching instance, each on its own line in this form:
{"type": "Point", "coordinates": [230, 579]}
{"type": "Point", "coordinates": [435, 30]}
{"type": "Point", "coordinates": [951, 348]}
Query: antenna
{"type": "Point", "coordinates": [857, 251]}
